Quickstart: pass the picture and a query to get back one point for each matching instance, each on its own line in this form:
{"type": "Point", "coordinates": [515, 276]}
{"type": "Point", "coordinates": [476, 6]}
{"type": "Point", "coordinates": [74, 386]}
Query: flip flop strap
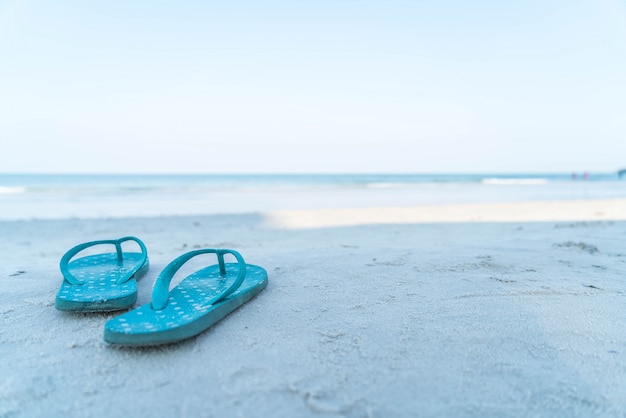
{"type": "Point", "coordinates": [120, 257]}
{"type": "Point", "coordinates": [160, 291]}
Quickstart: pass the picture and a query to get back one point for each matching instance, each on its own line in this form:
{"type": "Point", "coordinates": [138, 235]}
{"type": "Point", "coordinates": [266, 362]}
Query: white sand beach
{"type": "Point", "coordinates": [437, 191]}
{"type": "Point", "coordinates": [503, 310]}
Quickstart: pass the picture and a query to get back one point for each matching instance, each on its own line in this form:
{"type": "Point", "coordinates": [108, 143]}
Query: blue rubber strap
{"type": "Point", "coordinates": [160, 291]}
{"type": "Point", "coordinates": [120, 257]}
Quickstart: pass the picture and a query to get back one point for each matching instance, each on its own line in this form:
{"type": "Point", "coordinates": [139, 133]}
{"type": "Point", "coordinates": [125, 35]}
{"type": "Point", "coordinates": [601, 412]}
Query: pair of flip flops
{"type": "Point", "coordinates": [108, 282]}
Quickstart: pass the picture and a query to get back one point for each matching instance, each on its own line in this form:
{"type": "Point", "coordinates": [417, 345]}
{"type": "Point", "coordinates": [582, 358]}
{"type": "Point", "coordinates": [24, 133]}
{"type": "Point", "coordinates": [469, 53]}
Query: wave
{"type": "Point", "coordinates": [514, 182]}
{"type": "Point", "coordinates": [12, 190]}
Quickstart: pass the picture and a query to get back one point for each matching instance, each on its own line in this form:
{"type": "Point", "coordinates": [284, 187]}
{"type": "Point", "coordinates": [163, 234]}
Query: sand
{"type": "Point", "coordinates": [477, 310]}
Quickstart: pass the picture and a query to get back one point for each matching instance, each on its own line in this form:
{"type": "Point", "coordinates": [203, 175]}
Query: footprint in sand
{"type": "Point", "coordinates": [588, 248]}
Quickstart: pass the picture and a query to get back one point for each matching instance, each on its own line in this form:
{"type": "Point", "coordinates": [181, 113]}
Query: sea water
{"type": "Point", "coordinates": [62, 196]}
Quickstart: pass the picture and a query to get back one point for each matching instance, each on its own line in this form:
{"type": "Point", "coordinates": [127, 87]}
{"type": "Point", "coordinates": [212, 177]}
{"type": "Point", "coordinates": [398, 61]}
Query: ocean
{"type": "Point", "coordinates": [62, 196]}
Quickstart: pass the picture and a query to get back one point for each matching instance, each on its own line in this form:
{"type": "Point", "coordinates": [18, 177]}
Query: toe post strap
{"type": "Point", "coordinates": [68, 256]}
{"type": "Point", "coordinates": [160, 291]}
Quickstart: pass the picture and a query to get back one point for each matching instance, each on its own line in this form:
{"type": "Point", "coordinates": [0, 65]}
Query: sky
{"type": "Point", "coordinates": [342, 86]}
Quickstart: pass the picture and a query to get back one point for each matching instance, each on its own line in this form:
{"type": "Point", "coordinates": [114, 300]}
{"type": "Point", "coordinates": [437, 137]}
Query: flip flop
{"type": "Point", "coordinates": [195, 304]}
{"type": "Point", "coordinates": [101, 282]}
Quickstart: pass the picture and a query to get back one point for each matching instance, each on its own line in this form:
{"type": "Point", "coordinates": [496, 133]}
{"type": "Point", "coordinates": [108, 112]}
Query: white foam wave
{"type": "Point", "coordinates": [12, 190]}
{"type": "Point", "coordinates": [514, 182]}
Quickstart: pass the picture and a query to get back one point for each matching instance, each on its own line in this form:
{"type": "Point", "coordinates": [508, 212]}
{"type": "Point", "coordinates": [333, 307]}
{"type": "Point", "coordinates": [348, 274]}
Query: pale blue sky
{"type": "Point", "coordinates": [319, 86]}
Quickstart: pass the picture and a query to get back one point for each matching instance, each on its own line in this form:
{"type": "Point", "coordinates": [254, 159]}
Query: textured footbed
{"type": "Point", "coordinates": [100, 290]}
{"type": "Point", "coordinates": [188, 312]}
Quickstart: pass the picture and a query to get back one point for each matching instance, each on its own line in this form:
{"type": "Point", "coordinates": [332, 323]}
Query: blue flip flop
{"type": "Point", "coordinates": [101, 282]}
{"type": "Point", "coordinates": [195, 304]}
